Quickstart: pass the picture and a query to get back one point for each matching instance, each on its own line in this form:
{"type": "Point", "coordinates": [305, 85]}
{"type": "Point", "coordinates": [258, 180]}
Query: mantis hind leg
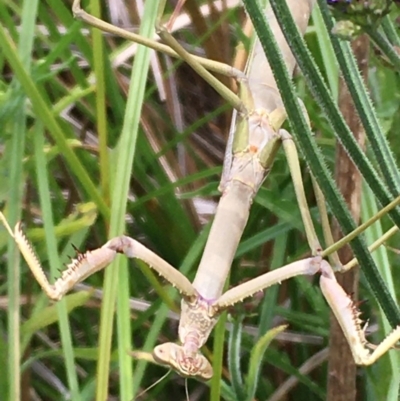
{"type": "Point", "coordinates": [294, 166]}
{"type": "Point", "coordinates": [201, 65]}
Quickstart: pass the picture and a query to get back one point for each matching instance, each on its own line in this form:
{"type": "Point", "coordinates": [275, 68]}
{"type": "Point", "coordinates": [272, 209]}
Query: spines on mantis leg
{"type": "Point", "coordinates": [237, 294]}
{"type": "Point", "coordinates": [30, 257]}
{"type": "Point", "coordinates": [349, 320]}
{"type": "Point", "coordinates": [33, 262]}
{"type": "Point", "coordinates": [77, 270]}
{"type": "Point", "coordinates": [89, 262]}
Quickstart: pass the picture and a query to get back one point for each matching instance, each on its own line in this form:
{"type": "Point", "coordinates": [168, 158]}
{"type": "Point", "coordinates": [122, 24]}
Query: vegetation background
{"type": "Point", "coordinates": [82, 137]}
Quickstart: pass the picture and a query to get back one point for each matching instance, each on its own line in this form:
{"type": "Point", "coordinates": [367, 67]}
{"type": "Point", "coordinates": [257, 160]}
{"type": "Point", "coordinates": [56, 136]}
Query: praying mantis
{"type": "Point", "coordinates": [256, 138]}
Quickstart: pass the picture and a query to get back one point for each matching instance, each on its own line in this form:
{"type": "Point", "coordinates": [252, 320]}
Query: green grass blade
{"type": "Point", "coordinates": [390, 31]}
{"type": "Point", "coordinates": [218, 355]}
{"type": "Point", "coordinates": [43, 111]}
{"type": "Point", "coordinates": [328, 55]}
{"type": "Point", "coordinates": [101, 112]}
{"type": "Point", "coordinates": [55, 263]}
{"type": "Point", "coordinates": [256, 357]}
{"type": "Point", "coordinates": [385, 46]}
{"type": "Point", "coordinates": [271, 296]}
{"type": "Point", "coordinates": [125, 150]}
{"type": "Point", "coordinates": [365, 109]}
{"type": "Point", "coordinates": [390, 364]}
{"type": "Point", "coordinates": [124, 333]}
{"type": "Point", "coordinates": [234, 342]}
{"type": "Point", "coordinates": [16, 147]}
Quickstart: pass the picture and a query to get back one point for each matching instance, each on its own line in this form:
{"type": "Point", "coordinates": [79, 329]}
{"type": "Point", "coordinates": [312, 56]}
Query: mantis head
{"type": "Point", "coordinates": [188, 365]}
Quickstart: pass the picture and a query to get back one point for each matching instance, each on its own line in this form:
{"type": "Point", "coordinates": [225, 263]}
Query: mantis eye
{"type": "Point", "coordinates": [174, 356]}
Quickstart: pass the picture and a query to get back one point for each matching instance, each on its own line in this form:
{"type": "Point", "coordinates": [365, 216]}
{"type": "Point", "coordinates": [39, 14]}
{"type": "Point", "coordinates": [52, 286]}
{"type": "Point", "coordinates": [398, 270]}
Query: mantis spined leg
{"type": "Point", "coordinates": [255, 142]}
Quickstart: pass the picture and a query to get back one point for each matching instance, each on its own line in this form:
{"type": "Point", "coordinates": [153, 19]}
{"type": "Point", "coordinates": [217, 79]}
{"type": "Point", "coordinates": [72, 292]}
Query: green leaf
{"type": "Point", "coordinates": [49, 315]}
{"type": "Point", "coordinates": [256, 357]}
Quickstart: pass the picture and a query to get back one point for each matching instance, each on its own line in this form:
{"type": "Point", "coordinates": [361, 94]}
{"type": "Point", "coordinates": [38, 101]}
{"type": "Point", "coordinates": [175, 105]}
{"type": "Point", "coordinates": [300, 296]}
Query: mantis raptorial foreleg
{"type": "Point", "coordinates": [347, 315]}
{"type": "Point", "coordinates": [341, 304]}
{"type": "Point", "coordinates": [85, 264]}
